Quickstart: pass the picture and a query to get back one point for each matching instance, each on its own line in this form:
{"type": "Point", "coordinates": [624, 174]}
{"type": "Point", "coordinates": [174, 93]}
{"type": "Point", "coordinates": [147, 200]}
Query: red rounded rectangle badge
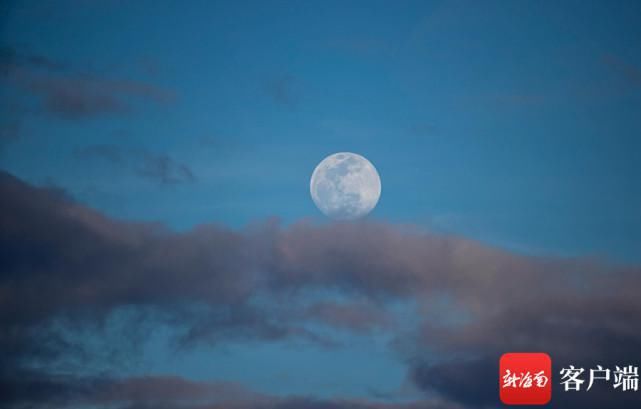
{"type": "Point", "coordinates": [525, 378]}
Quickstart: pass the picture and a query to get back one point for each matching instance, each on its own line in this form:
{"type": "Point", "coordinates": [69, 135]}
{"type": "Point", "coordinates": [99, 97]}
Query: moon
{"type": "Point", "coordinates": [345, 186]}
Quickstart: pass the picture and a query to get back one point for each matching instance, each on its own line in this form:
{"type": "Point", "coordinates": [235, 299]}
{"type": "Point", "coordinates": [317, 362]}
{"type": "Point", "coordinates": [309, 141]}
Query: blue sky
{"type": "Point", "coordinates": [517, 124]}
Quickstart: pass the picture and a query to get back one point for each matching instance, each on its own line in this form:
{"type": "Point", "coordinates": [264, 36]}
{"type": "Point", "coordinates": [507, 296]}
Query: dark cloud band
{"type": "Point", "coordinates": [63, 262]}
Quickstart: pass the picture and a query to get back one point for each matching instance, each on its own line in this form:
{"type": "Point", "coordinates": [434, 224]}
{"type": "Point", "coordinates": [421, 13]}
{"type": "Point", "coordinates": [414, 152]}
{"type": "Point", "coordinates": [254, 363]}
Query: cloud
{"type": "Point", "coordinates": [68, 94]}
{"type": "Point", "coordinates": [630, 72]}
{"type": "Point", "coordinates": [10, 57]}
{"type": "Point", "coordinates": [355, 316]}
{"type": "Point", "coordinates": [463, 380]}
{"type": "Point", "coordinates": [67, 266]}
{"type": "Point", "coordinates": [30, 388]}
{"type": "Point", "coordinates": [282, 90]}
{"type": "Point", "coordinates": [84, 97]}
{"type": "Point", "coordinates": [165, 392]}
{"type": "Point", "coordinates": [157, 167]}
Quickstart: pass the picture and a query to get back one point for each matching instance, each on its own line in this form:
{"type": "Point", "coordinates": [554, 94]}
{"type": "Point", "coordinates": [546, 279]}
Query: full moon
{"type": "Point", "coordinates": [345, 186]}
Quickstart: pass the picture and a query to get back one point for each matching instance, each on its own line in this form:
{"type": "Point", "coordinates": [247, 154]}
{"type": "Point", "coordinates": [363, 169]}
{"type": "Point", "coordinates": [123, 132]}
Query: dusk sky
{"type": "Point", "coordinates": [159, 247]}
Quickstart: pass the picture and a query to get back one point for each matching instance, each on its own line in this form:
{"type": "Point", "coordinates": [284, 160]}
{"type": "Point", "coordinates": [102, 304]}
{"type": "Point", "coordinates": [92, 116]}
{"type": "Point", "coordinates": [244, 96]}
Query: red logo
{"type": "Point", "coordinates": [525, 378]}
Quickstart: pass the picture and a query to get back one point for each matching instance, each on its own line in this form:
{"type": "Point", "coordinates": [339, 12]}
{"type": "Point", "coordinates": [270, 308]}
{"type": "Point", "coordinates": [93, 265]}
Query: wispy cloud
{"type": "Point", "coordinates": [10, 57]}
{"type": "Point", "coordinates": [71, 94]}
{"type": "Point", "coordinates": [157, 167]}
{"type": "Point", "coordinates": [282, 90]}
{"type": "Point", "coordinates": [629, 71]}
